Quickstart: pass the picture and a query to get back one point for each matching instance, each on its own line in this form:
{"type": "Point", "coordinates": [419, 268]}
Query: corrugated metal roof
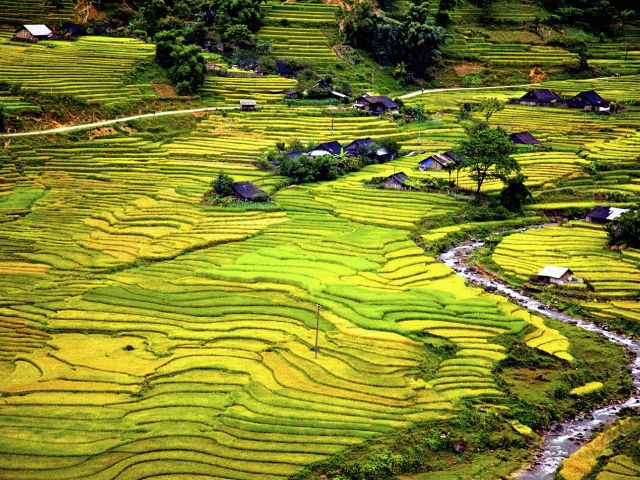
{"type": "Point", "coordinates": [553, 272]}
{"type": "Point", "coordinates": [615, 212]}
{"type": "Point", "coordinates": [38, 30]}
{"type": "Point", "coordinates": [248, 103]}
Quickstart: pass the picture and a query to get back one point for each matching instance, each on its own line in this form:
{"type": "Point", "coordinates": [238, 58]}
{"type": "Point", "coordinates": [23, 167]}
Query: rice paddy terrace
{"type": "Point", "coordinates": [146, 335]}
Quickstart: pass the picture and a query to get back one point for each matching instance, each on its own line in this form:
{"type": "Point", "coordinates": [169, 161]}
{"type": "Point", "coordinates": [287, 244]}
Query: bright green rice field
{"type": "Point", "coordinates": [145, 335]}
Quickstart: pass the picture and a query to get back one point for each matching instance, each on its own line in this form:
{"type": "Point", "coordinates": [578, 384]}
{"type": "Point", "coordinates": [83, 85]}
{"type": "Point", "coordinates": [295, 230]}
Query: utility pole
{"type": "Point", "coordinates": [420, 136]}
{"type": "Point", "coordinates": [315, 355]}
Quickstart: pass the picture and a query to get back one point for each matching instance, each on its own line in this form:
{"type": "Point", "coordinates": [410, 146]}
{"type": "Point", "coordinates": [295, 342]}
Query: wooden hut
{"type": "Point", "coordinates": [248, 192]}
{"type": "Point", "coordinates": [248, 105]}
{"type": "Point", "coordinates": [441, 161]}
{"type": "Point", "coordinates": [376, 104]}
{"type": "Point", "coordinates": [397, 181]}
{"type": "Point", "coordinates": [589, 100]}
{"type": "Point", "coordinates": [555, 275]}
{"type": "Point", "coordinates": [602, 214]}
{"type": "Point", "coordinates": [540, 97]}
{"type": "Point", "coordinates": [523, 138]}
{"type": "Point", "coordinates": [32, 33]}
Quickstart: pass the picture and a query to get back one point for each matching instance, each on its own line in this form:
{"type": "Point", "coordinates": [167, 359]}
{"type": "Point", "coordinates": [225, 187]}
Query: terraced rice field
{"type": "Point", "coordinates": [262, 89]}
{"type": "Point", "coordinates": [90, 69]}
{"type": "Point", "coordinates": [35, 11]}
{"type": "Point", "coordinates": [297, 32]}
{"type": "Point", "coordinates": [145, 334]}
{"type": "Point", "coordinates": [612, 278]}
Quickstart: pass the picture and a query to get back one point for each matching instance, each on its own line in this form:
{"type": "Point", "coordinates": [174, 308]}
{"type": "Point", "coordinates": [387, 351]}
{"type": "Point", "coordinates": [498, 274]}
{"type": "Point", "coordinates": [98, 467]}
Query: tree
{"type": "Point", "coordinates": [56, 4]}
{"type": "Point", "coordinates": [421, 40]}
{"type": "Point", "coordinates": [189, 68]}
{"type": "Point", "coordinates": [515, 193]}
{"type": "Point", "coordinates": [5, 118]}
{"type": "Point", "coordinates": [489, 106]}
{"type": "Point", "coordinates": [166, 42]}
{"type": "Point", "coordinates": [627, 231]}
{"type": "Point", "coordinates": [223, 185]}
{"type": "Point", "coordinates": [487, 155]}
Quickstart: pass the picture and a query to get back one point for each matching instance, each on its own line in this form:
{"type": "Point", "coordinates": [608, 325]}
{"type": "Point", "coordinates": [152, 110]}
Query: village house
{"type": "Point", "coordinates": [540, 97]}
{"type": "Point", "coordinates": [327, 148]}
{"type": "Point", "coordinates": [589, 100]}
{"type": "Point", "coordinates": [397, 181]}
{"type": "Point", "coordinates": [290, 94]}
{"type": "Point", "coordinates": [284, 71]}
{"type": "Point", "coordinates": [32, 33]}
{"type": "Point", "coordinates": [376, 104]}
{"type": "Point", "coordinates": [602, 214]}
{"type": "Point", "coordinates": [247, 192]}
{"type": "Point", "coordinates": [523, 138]}
{"type": "Point", "coordinates": [322, 85]}
{"type": "Point", "coordinates": [555, 275]}
{"type": "Point", "coordinates": [441, 161]}
{"type": "Point", "coordinates": [361, 146]}
{"type": "Point", "coordinates": [248, 105]}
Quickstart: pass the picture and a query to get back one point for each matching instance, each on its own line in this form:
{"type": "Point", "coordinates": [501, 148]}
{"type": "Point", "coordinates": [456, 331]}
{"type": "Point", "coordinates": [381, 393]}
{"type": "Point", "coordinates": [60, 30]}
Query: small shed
{"type": "Point", "coordinates": [327, 148]}
{"type": "Point", "coordinates": [32, 33]}
{"type": "Point", "coordinates": [248, 192]}
{"type": "Point", "coordinates": [323, 85]}
{"type": "Point", "coordinates": [290, 94]}
{"type": "Point", "coordinates": [441, 161]}
{"type": "Point", "coordinates": [602, 214]}
{"type": "Point", "coordinates": [523, 138]}
{"type": "Point", "coordinates": [248, 105]}
{"type": "Point", "coordinates": [540, 97]}
{"type": "Point", "coordinates": [555, 275]}
{"type": "Point", "coordinates": [588, 100]}
{"type": "Point", "coordinates": [397, 181]}
{"type": "Point", "coordinates": [376, 104]}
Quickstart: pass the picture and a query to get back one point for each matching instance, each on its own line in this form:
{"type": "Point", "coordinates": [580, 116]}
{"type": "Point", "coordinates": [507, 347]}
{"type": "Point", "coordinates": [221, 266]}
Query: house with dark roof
{"type": "Point", "coordinates": [397, 181]}
{"type": "Point", "coordinates": [32, 33]}
{"type": "Point", "coordinates": [603, 214]}
{"type": "Point", "coordinates": [523, 138]}
{"type": "Point", "coordinates": [376, 104]}
{"type": "Point", "coordinates": [539, 97]}
{"type": "Point", "coordinates": [323, 85]}
{"type": "Point", "coordinates": [284, 71]}
{"type": "Point", "coordinates": [327, 148]}
{"type": "Point", "coordinates": [441, 161]}
{"type": "Point", "coordinates": [248, 192]}
{"type": "Point", "coordinates": [361, 146]}
{"type": "Point", "coordinates": [588, 100]}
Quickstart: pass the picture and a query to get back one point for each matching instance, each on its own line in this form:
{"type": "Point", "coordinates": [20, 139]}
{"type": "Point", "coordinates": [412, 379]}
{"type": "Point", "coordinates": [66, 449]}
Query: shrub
{"type": "Point", "coordinates": [222, 185]}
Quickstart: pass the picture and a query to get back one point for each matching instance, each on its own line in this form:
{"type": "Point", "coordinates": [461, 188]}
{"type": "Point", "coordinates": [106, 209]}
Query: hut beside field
{"type": "Point", "coordinates": [523, 138]}
{"type": "Point", "coordinates": [376, 104]}
{"type": "Point", "coordinates": [32, 33]}
{"type": "Point", "coordinates": [397, 181]}
{"type": "Point", "coordinates": [441, 161]}
{"type": "Point", "coordinates": [555, 275]}
{"type": "Point", "coordinates": [248, 192]}
{"type": "Point", "coordinates": [327, 148]}
{"type": "Point", "coordinates": [602, 214]}
{"type": "Point", "coordinates": [540, 97]}
{"type": "Point", "coordinates": [248, 105]}
{"type": "Point", "coordinates": [589, 100]}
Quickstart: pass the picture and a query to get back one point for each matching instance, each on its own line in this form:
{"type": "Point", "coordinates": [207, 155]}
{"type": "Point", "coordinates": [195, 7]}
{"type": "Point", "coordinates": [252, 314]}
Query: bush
{"type": "Point", "coordinates": [222, 185]}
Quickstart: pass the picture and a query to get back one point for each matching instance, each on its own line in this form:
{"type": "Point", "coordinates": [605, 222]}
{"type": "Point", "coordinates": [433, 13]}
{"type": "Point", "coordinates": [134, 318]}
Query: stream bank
{"type": "Point", "coordinates": [560, 439]}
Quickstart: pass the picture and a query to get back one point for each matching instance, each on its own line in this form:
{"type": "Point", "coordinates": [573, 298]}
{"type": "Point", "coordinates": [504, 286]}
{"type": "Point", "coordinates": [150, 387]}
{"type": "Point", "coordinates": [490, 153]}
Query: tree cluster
{"type": "Point", "coordinates": [627, 230]}
{"type": "Point", "coordinates": [598, 16]}
{"type": "Point", "coordinates": [413, 43]}
{"type": "Point", "coordinates": [183, 29]}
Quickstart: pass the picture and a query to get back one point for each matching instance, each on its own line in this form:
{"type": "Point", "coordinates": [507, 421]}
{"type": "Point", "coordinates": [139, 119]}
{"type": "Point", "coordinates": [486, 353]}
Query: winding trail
{"type": "Point", "coordinates": [103, 123]}
{"type": "Point", "coordinates": [560, 440]}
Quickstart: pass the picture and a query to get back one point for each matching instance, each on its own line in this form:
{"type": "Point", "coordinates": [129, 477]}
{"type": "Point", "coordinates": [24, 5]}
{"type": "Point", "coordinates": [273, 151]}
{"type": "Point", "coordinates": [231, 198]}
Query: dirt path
{"type": "Point", "coordinates": [115, 120]}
